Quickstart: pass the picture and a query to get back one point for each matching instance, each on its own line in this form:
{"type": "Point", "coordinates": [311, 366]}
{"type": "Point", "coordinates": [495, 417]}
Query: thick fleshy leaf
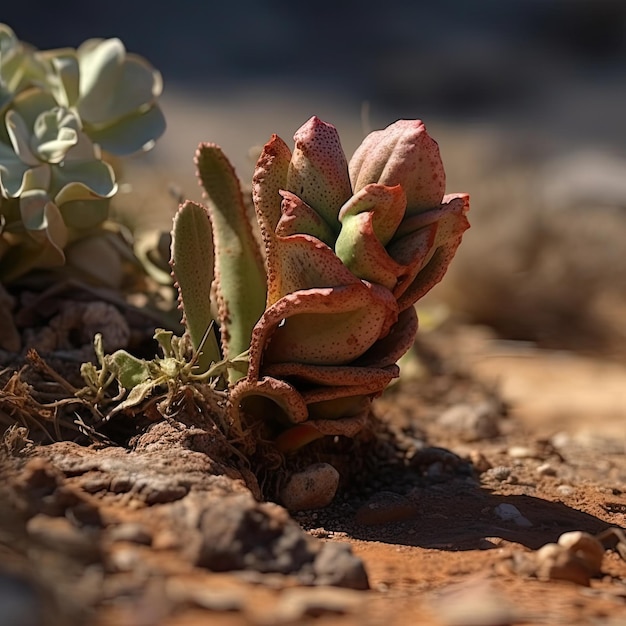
{"type": "Point", "coordinates": [19, 134]}
{"type": "Point", "coordinates": [100, 64]}
{"type": "Point", "coordinates": [239, 271]}
{"type": "Point", "coordinates": [81, 208]}
{"type": "Point", "coordinates": [270, 177]}
{"type": "Point", "coordinates": [44, 222]}
{"type": "Point", "coordinates": [300, 435]}
{"type": "Point", "coordinates": [38, 177]}
{"type": "Point", "coordinates": [12, 172]}
{"type": "Point", "coordinates": [271, 399]}
{"type": "Point", "coordinates": [303, 262]}
{"type": "Point", "coordinates": [31, 103]}
{"type": "Point", "coordinates": [386, 204]}
{"type": "Point", "coordinates": [192, 267]}
{"type": "Point", "coordinates": [450, 229]}
{"type": "Point", "coordinates": [135, 132]}
{"type": "Point", "coordinates": [55, 132]}
{"type": "Point", "coordinates": [114, 84]}
{"type": "Point", "coordinates": [401, 154]}
{"type": "Point", "coordinates": [326, 326]}
{"type": "Point", "coordinates": [368, 221]}
{"type": "Point", "coordinates": [97, 176]}
{"type": "Point", "coordinates": [299, 217]}
{"type": "Point", "coordinates": [66, 79]}
{"type": "Point", "coordinates": [334, 375]}
{"type": "Point", "coordinates": [318, 172]}
{"type": "Point", "coordinates": [83, 150]}
{"type": "Point", "coordinates": [364, 255]}
{"type": "Point", "coordinates": [412, 252]}
{"type": "Point", "coordinates": [386, 351]}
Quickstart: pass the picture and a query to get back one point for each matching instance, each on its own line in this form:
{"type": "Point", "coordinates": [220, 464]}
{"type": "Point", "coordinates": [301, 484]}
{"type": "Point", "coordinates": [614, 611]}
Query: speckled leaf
{"type": "Point", "coordinates": [192, 267]}
{"type": "Point", "coordinates": [401, 154]}
{"type": "Point", "coordinates": [330, 326]}
{"type": "Point", "coordinates": [239, 271]}
{"type": "Point", "coordinates": [318, 172]}
{"type": "Point", "coordinates": [298, 217]}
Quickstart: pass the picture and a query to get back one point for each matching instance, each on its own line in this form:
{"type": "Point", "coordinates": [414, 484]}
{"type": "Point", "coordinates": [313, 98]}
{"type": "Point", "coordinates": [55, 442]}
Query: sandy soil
{"type": "Point", "coordinates": [437, 545]}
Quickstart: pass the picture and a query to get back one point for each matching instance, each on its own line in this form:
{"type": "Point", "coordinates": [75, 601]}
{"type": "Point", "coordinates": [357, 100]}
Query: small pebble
{"type": "Point", "coordinates": [586, 547]}
{"type": "Point", "coordinates": [510, 513]}
{"type": "Point", "coordinates": [498, 473]}
{"type": "Point", "coordinates": [471, 422]}
{"type": "Point", "coordinates": [521, 452]}
{"type": "Point", "coordinates": [313, 488]}
{"type": "Point", "coordinates": [555, 562]}
{"type": "Point", "coordinates": [565, 490]}
{"type": "Point", "coordinates": [545, 469]}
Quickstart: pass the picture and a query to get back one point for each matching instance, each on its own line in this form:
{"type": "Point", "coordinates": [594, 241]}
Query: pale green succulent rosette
{"type": "Point", "coordinates": [59, 109]}
{"type": "Point", "coordinates": [52, 171]}
{"type": "Point", "coordinates": [115, 94]}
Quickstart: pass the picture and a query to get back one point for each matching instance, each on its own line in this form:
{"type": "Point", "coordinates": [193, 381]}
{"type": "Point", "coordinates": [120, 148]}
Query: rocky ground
{"type": "Point", "coordinates": [472, 475]}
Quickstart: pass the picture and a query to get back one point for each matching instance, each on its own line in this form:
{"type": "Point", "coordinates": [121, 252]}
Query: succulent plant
{"type": "Point", "coordinates": [349, 248]}
{"type": "Point", "coordinates": [60, 109]}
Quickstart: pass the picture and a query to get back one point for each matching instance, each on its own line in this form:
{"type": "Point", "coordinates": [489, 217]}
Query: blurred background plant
{"type": "Point", "coordinates": [67, 114]}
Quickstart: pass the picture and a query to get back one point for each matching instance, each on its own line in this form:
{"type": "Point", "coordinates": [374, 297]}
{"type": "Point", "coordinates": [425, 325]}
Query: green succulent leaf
{"type": "Point", "coordinates": [192, 266]}
{"type": "Point", "coordinates": [129, 370]}
{"type": "Point", "coordinates": [65, 81]}
{"type": "Point", "coordinates": [31, 103]}
{"type": "Point", "coordinates": [137, 131]}
{"type": "Point", "coordinates": [136, 85]}
{"type": "Point", "coordinates": [47, 236]}
{"type": "Point", "coordinates": [19, 134]}
{"type": "Point", "coordinates": [83, 214]}
{"type": "Point", "coordinates": [12, 172]}
{"type": "Point", "coordinates": [55, 132]}
{"type": "Point", "coordinates": [239, 271]}
{"type": "Point", "coordinates": [96, 176]}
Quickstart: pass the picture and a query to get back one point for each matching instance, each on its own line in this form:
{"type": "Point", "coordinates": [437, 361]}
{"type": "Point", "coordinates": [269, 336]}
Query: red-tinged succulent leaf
{"type": "Point", "coordinates": [401, 154]}
{"type": "Point", "coordinates": [364, 255]}
{"type": "Point", "coordinates": [298, 436]}
{"type": "Point", "coordinates": [333, 375]}
{"type": "Point", "coordinates": [389, 349]}
{"type": "Point", "coordinates": [269, 398]}
{"type": "Point", "coordinates": [412, 252]}
{"type": "Point", "coordinates": [292, 439]}
{"type": "Point", "coordinates": [298, 217]}
{"type": "Point", "coordinates": [303, 262]}
{"type": "Point", "coordinates": [326, 326]}
{"type": "Point", "coordinates": [387, 205]}
{"type": "Point", "coordinates": [450, 229]}
{"type": "Point", "coordinates": [318, 172]}
{"type": "Point", "coordinates": [270, 176]}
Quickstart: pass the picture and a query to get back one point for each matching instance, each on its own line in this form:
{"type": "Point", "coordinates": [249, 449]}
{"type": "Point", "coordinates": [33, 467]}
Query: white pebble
{"type": "Point", "coordinates": [510, 513]}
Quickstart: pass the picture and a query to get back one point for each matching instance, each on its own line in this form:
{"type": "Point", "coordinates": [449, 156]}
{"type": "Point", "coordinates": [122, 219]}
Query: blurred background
{"type": "Point", "coordinates": [526, 98]}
